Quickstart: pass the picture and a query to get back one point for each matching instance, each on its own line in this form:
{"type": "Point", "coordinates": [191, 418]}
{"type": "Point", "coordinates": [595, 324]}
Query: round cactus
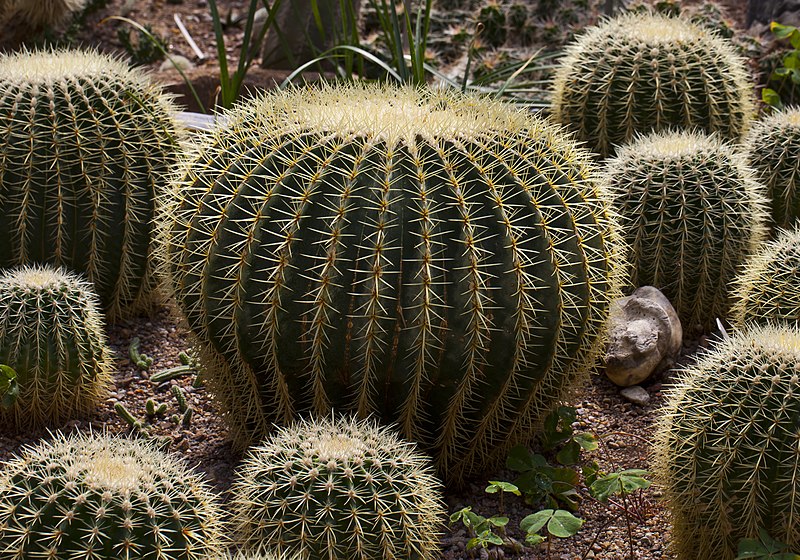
{"type": "Point", "coordinates": [643, 71]}
{"type": "Point", "coordinates": [105, 498]}
{"type": "Point", "coordinates": [21, 17]}
{"type": "Point", "coordinates": [338, 488]}
{"type": "Point", "coordinates": [692, 213]}
{"type": "Point", "coordinates": [51, 333]}
{"type": "Point", "coordinates": [728, 446]}
{"type": "Point", "coordinates": [768, 287]}
{"type": "Point", "coordinates": [772, 147]}
{"type": "Point", "coordinates": [85, 142]}
{"type": "Point", "coordinates": [439, 261]}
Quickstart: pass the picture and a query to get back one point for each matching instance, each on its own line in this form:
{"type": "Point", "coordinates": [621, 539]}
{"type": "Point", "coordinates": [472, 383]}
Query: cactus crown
{"type": "Point", "coordinates": [647, 71]}
{"type": "Point", "coordinates": [51, 333]}
{"type": "Point", "coordinates": [336, 488]}
{"type": "Point", "coordinates": [771, 147]}
{"type": "Point", "coordinates": [768, 287]}
{"type": "Point", "coordinates": [105, 498]}
{"type": "Point", "coordinates": [727, 450]}
{"type": "Point", "coordinates": [692, 213]}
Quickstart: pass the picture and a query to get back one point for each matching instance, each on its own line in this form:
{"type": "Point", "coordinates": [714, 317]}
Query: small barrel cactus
{"type": "Point", "coordinates": [728, 446]}
{"type": "Point", "coordinates": [767, 289]}
{"type": "Point", "coordinates": [105, 498]}
{"type": "Point", "coordinates": [332, 489]}
{"type": "Point", "coordinates": [772, 147]}
{"type": "Point", "coordinates": [439, 261]}
{"type": "Point", "coordinates": [492, 18]}
{"type": "Point", "coordinates": [692, 213]}
{"type": "Point", "coordinates": [51, 333]}
{"type": "Point", "coordinates": [85, 142]}
{"type": "Point", "coordinates": [642, 71]}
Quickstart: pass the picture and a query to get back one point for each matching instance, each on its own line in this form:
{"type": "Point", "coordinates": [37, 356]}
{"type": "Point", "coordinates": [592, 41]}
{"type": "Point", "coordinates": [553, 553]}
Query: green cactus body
{"type": "Point", "coordinates": [51, 333]}
{"type": "Point", "coordinates": [105, 498]}
{"type": "Point", "coordinates": [728, 445]}
{"type": "Point", "coordinates": [692, 213]}
{"type": "Point", "coordinates": [641, 72]}
{"type": "Point", "coordinates": [493, 19]}
{"type": "Point", "coordinates": [84, 144]}
{"type": "Point", "coordinates": [772, 147]}
{"type": "Point", "coordinates": [767, 289]}
{"type": "Point", "coordinates": [338, 490]}
{"type": "Point", "coordinates": [439, 261]}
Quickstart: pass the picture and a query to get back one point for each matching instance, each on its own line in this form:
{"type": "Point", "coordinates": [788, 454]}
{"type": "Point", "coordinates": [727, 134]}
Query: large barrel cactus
{"type": "Point", "coordinates": [645, 71]}
{"type": "Point", "coordinates": [439, 261]}
{"type": "Point", "coordinates": [772, 147]}
{"type": "Point", "coordinates": [51, 333]}
{"type": "Point", "coordinates": [331, 489]}
{"type": "Point", "coordinates": [767, 289]}
{"type": "Point", "coordinates": [105, 498]}
{"type": "Point", "coordinates": [692, 213]}
{"type": "Point", "coordinates": [728, 448]}
{"type": "Point", "coordinates": [85, 142]}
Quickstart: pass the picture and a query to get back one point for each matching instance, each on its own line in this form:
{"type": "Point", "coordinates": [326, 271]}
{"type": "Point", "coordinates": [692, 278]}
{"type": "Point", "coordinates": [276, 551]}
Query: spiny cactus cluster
{"type": "Point", "coordinates": [772, 147]}
{"type": "Point", "coordinates": [37, 15]}
{"type": "Point", "coordinates": [338, 488]}
{"type": "Point", "coordinates": [643, 71]}
{"type": "Point", "coordinates": [85, 143]}
{"type": "Point", "coordinates": [440, 261]}
{"type": "Point", "coordinates": [728, 446]}
{"type": "Point", "coordinates": [51, 333]}
{"type": "Point", "coordinates": [104, 498]}
{"type": "Point", "coordinates": [768, 287]}
{"type": "Point", "coordinates": [692, 213]}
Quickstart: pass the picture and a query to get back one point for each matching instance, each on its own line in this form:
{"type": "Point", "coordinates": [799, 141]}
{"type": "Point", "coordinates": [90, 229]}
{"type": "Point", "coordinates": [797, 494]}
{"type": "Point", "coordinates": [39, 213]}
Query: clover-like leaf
{"type": "Point", "coordinates": [558, 522]}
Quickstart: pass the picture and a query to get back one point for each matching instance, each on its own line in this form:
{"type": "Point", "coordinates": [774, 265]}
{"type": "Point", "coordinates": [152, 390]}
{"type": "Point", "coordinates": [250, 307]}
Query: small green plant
{"type": "Point", "coordinates": [141, 48]}
{"type": "Point", "coordinates": [764, 548]}
{"type": "Point", "coordinates": [139, 359]}
{"type": "Point", "coordinates": [9, 389]}
{"type": "Point", "coordinates": [787, 76]}
{"type": "Point", "coordinates": [481, 529]}
{"type": "Point", "coordinates": [556, 523]}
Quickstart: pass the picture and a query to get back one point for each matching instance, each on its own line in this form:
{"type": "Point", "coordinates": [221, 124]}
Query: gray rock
{"type": "Point", "coordinates": [645, 337]}
{"type": "Point", "coordinates": [762, 12]}
{"type": "Point", "coordinates": [177, 61]}
{"type": "Point", "coordinates": [636, 395]}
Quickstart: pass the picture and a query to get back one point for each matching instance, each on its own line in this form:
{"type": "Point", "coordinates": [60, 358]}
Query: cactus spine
{"type": "Point", "coordinates": [728, 446]}
{"type": "Point", "coordinates": [768, 287]}
{"type": "Point", "coordinates": [440, 261]}
{"type": "Point", "coordinates": [642, 71]}
{"type": "Point", "coordinates": [331, 489]}
{"type": "Point", "coordinates": [772, 147]}
{"type": "Point", "coordinates": [84, 144]}
{"type": "Point", "coordinates": [692, 213]}
{"type": "Point", "coordinates": [51, 333]}
{"type": "Point", "coordinates": [105, 498]}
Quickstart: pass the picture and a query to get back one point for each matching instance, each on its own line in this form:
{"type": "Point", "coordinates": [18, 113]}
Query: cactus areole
{"type": "Point", "coordinates": [438, 261]}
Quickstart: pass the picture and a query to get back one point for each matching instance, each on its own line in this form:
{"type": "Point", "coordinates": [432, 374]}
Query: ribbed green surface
{"type": "Point", "coordinates": [438, 261]}
{"type": "Point", "coordinates": [772, 147]}
{"type": "Point", "coordinates": [338, 489]}
{"type": "Point", "coordinates": [105, 498]}
{"type": "Point", "coordinates": [640, 72]}
{"type": "Point", "coordinates": [728, 446]}
{"type": "Point", "coordinates": [692, 214]}
{"type": "Point", "coordinates": [767, 289]}
{"type": "Point", "coordinates": [85, 143]}
{"type": "Point", "coordinates": [51, 333]}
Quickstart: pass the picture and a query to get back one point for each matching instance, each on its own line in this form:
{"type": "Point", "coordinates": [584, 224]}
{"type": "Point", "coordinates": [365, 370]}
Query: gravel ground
{"type": "Point", "coordinates": [625, 430]}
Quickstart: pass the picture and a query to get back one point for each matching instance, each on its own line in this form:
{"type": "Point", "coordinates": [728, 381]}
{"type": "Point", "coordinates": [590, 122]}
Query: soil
{"type": "Point", "coordinates": [625, 429]}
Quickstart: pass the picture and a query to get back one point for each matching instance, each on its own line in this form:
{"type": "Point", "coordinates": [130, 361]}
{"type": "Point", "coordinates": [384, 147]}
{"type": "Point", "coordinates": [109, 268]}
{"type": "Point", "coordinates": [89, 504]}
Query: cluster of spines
{"type": "Point", "coordinates": [87, 143]}
{"type": "Point", "coordinates": [324, 238]}
{"type": "Point", "coordinates": [640, 72]}
{"type": "Point", "coordinates": [337, 488]}
{"type": "Point", "coordinates": [51, 333]}
{"type": "Point", "coordinates": [105, 498]}
{"type": "Point", "coordinates": [727, 449]}
{"type": "Point", "coordinates": [767, 289]}
{"type": "Point", "coordinates": [692, 213]}
{"type": "Point", "coordinates": [772, 147]}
